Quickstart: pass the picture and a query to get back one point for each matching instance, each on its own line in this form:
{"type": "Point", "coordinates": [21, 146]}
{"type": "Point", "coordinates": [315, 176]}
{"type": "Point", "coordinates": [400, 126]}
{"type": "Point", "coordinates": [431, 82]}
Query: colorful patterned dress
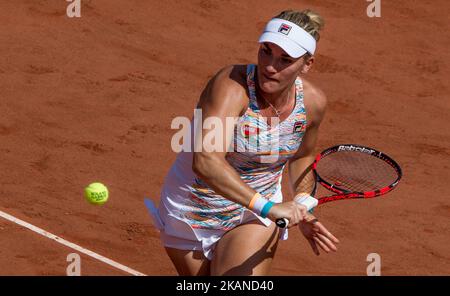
{"type": "Point", "coordinates": [259, 155]}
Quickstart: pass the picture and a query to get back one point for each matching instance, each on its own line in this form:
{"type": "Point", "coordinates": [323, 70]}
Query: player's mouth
{"type": "Point", "coordinates": [268, 78]}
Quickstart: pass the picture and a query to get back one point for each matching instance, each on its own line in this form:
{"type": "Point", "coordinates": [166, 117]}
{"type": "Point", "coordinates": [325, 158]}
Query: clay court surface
{"type": "Point", "coordinates": [92, 98]}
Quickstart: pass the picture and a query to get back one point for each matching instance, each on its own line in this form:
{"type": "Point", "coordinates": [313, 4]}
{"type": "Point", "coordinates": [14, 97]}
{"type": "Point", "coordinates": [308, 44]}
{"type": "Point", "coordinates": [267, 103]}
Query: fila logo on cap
{"type": "Point", "coordinates": [284, 29]}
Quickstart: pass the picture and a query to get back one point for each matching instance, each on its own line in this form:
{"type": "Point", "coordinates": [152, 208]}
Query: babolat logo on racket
{"type": "Point", "coordinates": [355, 148]}
{"type": "Point", "coordinates": [285, 29]}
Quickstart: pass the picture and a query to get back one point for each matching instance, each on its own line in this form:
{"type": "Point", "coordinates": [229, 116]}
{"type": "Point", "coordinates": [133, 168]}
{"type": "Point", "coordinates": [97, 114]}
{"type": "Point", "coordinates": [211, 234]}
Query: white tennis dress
{"type": "Point", "coordinates": [191, 216]}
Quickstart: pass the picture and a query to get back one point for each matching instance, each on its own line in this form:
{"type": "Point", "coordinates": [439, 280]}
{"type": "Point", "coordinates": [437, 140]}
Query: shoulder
{"type": "Point", "coordinates": [315, 101]}
{"type": "Point", "coordinates": [230, 79]}
{"type": "Point", "coordinates": [228, 85]}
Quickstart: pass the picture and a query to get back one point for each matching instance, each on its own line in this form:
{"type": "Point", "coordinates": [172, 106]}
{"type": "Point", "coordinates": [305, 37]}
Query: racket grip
{"type": "Point", "coordinates": [282, 222]}
{"type": "Point", "coordinates": [308, 201]}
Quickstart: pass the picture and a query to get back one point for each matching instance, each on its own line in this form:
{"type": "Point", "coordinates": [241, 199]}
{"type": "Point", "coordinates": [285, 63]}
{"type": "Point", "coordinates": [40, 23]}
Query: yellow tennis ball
{"type": "Point", "coordinates": [96, 193]}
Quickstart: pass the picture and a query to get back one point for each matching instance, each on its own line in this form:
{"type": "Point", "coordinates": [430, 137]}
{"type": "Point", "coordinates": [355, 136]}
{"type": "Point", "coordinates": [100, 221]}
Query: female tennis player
{"type": "Point", "coordinates": [217, 208]}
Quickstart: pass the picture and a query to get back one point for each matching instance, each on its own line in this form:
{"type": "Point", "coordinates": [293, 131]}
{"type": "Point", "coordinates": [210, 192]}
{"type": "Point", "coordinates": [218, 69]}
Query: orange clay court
{"type": "Point", "coordinates": [92, 98]}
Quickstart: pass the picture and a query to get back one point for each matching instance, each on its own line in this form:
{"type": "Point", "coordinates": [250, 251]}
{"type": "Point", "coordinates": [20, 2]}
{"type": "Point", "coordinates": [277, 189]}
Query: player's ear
{"type": "Point", "coordinates": [308, 61]}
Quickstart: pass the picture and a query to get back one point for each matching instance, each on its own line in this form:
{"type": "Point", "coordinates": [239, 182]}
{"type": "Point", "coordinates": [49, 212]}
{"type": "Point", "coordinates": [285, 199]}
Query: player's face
{"type": "Point", "coordinates": [276, 69]}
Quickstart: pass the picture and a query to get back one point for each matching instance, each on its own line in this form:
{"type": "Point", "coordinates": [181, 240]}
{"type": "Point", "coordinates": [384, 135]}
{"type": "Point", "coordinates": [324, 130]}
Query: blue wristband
{"type": "Point", "coordinates": [266, 209]}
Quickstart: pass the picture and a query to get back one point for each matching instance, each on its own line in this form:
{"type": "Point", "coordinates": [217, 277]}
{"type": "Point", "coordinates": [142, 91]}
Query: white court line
{"type": "Point", "coordinates": [69, 244]}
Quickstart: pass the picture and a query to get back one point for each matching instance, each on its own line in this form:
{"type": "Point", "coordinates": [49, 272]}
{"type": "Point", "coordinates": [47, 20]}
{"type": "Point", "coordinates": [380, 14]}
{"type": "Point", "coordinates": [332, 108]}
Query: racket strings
{"type": "Point", "coordinates": [307, 183]}
{"type": "Point", "coordinates": [356, 171]}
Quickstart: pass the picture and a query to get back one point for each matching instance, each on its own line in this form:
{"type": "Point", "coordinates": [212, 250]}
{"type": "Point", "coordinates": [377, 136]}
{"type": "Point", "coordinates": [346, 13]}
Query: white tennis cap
{"type": "Point", "coordinates": [294, 40]}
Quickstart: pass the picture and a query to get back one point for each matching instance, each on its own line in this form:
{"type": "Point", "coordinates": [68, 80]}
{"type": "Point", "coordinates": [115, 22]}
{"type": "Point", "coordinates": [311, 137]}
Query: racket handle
{"type": "Point", "coordinates": [307, 200]}
{"type": "Point", "coordinates": [282, 222]}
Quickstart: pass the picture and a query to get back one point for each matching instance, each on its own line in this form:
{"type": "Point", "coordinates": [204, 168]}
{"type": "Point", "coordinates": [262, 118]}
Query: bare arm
{"type": "Point", "coordinates": [223, 97]}
{"type": "Point", "coordinates": [300, 170]}
{"type": "Point", "coordinates": [300, 165]}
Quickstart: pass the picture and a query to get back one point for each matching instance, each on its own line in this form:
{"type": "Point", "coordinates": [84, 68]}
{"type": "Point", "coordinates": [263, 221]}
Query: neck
{"type": "Point", "coordinates": [277, 99]}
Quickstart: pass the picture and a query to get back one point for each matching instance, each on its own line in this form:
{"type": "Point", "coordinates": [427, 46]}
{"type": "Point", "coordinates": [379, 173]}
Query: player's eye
{"type": "Point", "coordinates": [266, 50]}
{"type": "Point", "coordinates": [286, 60]}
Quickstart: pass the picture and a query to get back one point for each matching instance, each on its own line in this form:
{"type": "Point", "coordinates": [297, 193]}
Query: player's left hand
{"type": "Point", "coordinates": [317, 235]}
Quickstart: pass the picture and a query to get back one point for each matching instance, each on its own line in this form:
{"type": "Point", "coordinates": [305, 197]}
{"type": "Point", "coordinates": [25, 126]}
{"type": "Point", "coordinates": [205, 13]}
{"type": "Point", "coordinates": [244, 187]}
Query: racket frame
{"type": "Point", "coordinates": [341, 193]}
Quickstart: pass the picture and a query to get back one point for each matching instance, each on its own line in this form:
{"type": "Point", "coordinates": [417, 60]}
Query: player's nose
{"type": "Point", "coordinates": [270, 69]}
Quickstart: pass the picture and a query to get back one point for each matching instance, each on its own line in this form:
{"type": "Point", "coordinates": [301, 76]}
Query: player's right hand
{"type": "Point", "coordinates": [290, 210]}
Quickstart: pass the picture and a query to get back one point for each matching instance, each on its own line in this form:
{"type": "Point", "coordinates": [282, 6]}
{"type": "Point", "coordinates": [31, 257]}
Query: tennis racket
{"type": "Point", "coordinates": [350, 171]}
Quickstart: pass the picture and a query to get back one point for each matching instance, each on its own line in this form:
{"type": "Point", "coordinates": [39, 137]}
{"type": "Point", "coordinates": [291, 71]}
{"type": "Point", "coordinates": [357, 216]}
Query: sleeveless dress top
{"type": "Point", "coordinates": [259, 155]}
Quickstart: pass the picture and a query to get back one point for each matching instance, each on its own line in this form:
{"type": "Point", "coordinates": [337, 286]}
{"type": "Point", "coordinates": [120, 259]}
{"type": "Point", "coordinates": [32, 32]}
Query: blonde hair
{"type": "Point", "coordinates": [307, 19]}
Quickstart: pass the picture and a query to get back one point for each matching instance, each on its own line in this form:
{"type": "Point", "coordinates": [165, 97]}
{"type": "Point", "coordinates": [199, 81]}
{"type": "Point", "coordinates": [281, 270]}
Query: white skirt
{"type": "Point", "coordinates": [178, 234]}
